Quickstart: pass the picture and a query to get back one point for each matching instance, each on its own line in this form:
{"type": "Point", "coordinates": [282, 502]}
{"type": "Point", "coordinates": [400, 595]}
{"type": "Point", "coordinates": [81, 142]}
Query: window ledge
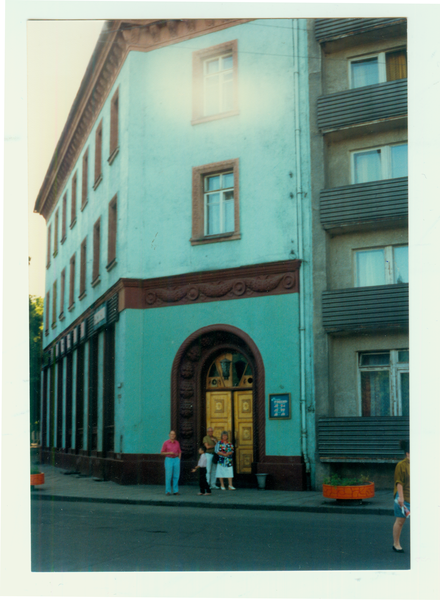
{"type": "Point", "coordinates": [96, 281]}
{"type": "Point", "coordinates": [83, 295]}
{"type": "Point", "coordinates": [113, 155]}
{"type": "Point", "coordinates": [71, 307]}
{"type": "Point", "coordinates": [84, 205]}
{"type": "Point", "coordinates": [53, 325]}
{"type": "Point", "coordinates": [211, 239]}
{"type": "Point", "coordinates": [63, 239]}
{"type": "Point", "coordinates": [61, 316]}
{"type": "Point", "coordinates": [230, 113]}
{"type": "Point", "coordinates": [73, 223]}
{"type": "Point", "coordinates": [97, 182]}
{"type": "Point", "coordinates": [111, 264]}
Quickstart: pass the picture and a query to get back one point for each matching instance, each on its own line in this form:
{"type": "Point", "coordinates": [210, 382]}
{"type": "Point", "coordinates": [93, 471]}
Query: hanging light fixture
{"type": "Point", "coordinates": [225, 365]}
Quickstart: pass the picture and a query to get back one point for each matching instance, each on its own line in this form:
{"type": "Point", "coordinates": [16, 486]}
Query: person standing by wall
{"type": "Point", "coordinates": [172, 452]}
{"type": "Point", "coordinates": [205, 490]}
{"type": "Point", "coordinates": [209, 441]}
{"type": "Point", "coordinates": [401, 496]}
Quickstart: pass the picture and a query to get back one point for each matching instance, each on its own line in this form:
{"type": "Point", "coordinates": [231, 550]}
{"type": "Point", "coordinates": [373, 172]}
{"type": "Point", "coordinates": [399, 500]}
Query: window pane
{"type": "Point", "coordinates": [403, 356]}
{"type": "Point", "coordinates": [364, 72]}
{"type": "Point", "coordinates": [228, 180]}
{"type": "Point", "coordinates": [399, 161]}
{"type": "Point", "coordinates": [229, 212]}
{"type": "Point", "coordinates": [227, 95]}
{"type": "Point", "coordinates": [375, 359]}
{"type": "Point", "coordinates": [213, 217]}
{"type": "Point", "coordinates": [375, 387]}
{"type": "Point", "coordinates": [212, 183]}
{"type": "Point", "coordinates": [212, 95]}
{"type": "Point", "coordinates": [370, 268]}
{"type": "Point", "coordinates": [227, 62]}
{"type": "Point", "coordinates": [401, 264]}
{"type": "Point", "coordinates": [212, 66]}
{"type": "Point", "coordinates": [367, 166]}
{"type": "Point", "coordinates": [404, 393]}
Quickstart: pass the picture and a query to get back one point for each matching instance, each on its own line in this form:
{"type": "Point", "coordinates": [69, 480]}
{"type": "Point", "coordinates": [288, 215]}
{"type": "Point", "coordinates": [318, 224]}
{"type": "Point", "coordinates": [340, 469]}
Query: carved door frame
{"type": "Point", "coordinates": [188, 388]}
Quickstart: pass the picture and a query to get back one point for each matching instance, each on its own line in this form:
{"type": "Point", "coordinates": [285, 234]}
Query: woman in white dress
{"type": "Point", "coordinates": [225, 450]}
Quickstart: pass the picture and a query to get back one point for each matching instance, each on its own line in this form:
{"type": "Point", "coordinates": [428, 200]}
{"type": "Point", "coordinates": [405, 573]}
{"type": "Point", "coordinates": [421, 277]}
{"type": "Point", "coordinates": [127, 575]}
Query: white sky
{"type": "Point", "coordinates": [58, 53]}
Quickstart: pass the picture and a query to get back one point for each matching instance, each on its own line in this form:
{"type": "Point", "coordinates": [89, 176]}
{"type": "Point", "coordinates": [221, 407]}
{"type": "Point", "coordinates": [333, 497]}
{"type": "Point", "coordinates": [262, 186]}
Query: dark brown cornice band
{"type": "Point", "coordinates": [117, 39]}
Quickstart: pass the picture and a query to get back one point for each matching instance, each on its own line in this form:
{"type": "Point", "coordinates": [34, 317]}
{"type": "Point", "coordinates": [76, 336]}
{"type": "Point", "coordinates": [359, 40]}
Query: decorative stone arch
{"type": "Point", "coordinates": [188, 390]}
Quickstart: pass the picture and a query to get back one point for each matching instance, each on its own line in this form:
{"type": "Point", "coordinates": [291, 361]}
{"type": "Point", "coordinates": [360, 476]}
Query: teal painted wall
{"type": "Point", "coordinates": [150, 339]}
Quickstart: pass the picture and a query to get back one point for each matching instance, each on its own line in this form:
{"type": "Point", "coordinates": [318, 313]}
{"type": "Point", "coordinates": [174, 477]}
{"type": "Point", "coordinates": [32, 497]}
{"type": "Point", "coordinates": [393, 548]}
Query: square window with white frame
{"type": "Point", "coordinates": [375, 164]}
{"type": "Point", "coordinates": [384, 383]}
{"type": "Point", "coordinates": [378, 68]}
{"type": "Point", "coordinates": [381, 266]}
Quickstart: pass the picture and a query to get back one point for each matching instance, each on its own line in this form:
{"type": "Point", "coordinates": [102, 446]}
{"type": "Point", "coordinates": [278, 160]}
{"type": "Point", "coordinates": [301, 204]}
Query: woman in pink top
{"type": "Point", "coordinates": [172, 452]}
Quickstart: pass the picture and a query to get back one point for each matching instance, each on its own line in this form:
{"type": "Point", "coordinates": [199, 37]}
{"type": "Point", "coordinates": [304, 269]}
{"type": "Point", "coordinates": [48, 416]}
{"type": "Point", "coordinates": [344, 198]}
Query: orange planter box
{"type": "Point", "coordinates": [348, 492]}
{"type": "Point", "coordinates": [37, 478]}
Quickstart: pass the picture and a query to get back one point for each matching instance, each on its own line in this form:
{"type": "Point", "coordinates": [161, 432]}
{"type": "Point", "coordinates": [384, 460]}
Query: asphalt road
{"type": "Point", "coordinates": [83, 536]}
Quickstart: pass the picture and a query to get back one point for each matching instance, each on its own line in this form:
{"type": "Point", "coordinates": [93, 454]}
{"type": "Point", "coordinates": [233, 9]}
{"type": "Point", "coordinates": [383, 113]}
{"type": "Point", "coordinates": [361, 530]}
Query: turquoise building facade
{"type": "Point", "coordinates": [187, 152]}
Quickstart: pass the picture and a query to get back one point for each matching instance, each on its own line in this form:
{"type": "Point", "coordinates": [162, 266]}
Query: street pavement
{"type": "Point", "coordinates": [61, 486]}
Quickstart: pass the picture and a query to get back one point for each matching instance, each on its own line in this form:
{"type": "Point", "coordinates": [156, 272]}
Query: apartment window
{"type": "Point", "coordinates": [114, 126]}
{"type": "Point", "coordinates": [64, 219]}
{"type": "Point", "coordinates": [49, 236]}
{"type": "Point", "coordinates": [82, 275]}
{"type": "Point", "coordinates": [215, 202]}
{"type": "Point", "coordinates": [215, 79]}
{"type": "Point", "coordinates": [54, 304]}
{"type": "Point", "coordinates": [96, 251]}
{"type": "Point", "coordinates": [378, 68]}
{"type": "Point", "coordinates": [381, 266]}
{"type": "Point", "coordinates": [85, 172]}
{"type": "Point", "coordinates": [112, 230]}
{"type": "Point", "coordinates": [55, 238]}
{"type": "Point", "coordinates": [73, 207]}
{"type": "Point", "coordinates": [47, 308]}
{"type": "Point", "coordinates": [72, 283]}
{"type": "Point", "coordinates": [386, 162]}
{"type": "Point", "coordinates": [62, 292]}
{"type": "Point", "coordinates": [384, 383]}
{"type": "Point", "coordinates": [98, 155]}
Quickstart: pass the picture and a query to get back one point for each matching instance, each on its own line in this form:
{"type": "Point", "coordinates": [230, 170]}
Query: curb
{"type": "Point", "coordinates": [311, 509]}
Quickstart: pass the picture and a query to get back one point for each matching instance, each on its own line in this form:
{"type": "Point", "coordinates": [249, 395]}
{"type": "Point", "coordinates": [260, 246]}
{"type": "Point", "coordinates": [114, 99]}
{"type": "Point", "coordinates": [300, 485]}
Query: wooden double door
{"type": "Point", "coordinates": [231, 410]}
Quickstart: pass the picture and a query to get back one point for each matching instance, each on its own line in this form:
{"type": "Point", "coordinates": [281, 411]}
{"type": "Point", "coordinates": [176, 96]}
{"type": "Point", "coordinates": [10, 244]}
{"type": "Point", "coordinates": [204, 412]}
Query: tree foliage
{"type": "Point", "coordinates": [36, 309]}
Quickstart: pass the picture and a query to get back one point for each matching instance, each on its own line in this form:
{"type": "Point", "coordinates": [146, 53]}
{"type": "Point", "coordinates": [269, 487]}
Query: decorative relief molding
{"type": "Point", "coordinates": [227, 284]}
{"type": "Point", "coordinates": [117, 41]}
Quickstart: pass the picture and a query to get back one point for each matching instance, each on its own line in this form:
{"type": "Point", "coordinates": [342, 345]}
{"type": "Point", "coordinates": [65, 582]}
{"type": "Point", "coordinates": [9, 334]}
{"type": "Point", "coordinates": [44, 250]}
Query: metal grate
{"type": "Point", "coordinates": [332, 29]}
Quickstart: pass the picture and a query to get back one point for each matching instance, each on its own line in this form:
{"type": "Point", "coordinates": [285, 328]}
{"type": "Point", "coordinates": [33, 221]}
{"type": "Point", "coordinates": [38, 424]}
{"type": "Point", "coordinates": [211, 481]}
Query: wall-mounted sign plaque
{"type": "Point", "coordinates": [279, 406]}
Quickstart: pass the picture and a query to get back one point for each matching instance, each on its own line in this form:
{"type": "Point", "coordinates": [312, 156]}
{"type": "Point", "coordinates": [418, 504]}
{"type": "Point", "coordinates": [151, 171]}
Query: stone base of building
{"type": "Point", "coordinates": [284, 472]}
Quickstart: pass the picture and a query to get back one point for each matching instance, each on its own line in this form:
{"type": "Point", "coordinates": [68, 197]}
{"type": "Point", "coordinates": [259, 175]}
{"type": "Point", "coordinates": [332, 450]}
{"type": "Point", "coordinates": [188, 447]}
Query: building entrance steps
{"type": "Point", "coordinates": [61, 486]}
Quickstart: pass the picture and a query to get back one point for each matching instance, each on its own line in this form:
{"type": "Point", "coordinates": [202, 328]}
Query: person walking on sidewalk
{"type": "Point", "coordinates": [205, 490]}
{"type": "Point", "coordinates": [172, 452]}
{"type": "Point", "coordinates": [401, 496]}
{"type": "Point", "coordinates": [209, 442]}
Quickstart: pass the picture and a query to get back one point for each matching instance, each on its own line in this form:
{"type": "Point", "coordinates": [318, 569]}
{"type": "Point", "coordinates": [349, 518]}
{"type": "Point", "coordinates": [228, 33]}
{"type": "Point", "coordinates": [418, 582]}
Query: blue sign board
{"type": "Point", "coordinates": [279, 406]}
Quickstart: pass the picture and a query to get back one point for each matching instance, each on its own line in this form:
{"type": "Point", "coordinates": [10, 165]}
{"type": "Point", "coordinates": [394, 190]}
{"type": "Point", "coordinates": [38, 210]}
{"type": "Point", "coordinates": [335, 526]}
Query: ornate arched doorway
{"type": "Point", "coordinates": [226, 395]}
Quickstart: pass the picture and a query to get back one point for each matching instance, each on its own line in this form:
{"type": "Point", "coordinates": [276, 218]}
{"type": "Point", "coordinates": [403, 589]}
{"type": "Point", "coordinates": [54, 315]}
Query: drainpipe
{"type": "Point", "coordinates": [299, 200]}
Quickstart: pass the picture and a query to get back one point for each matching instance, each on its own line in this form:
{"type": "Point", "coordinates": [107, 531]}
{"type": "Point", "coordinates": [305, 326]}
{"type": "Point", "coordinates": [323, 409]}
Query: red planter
{"type": "Point", "coordinates": [348, 492]}
{"type": "Point", "coordinates": [37, 478]}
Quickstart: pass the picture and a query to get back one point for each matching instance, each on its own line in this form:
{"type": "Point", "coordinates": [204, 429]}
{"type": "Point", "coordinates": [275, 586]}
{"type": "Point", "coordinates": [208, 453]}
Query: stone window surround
{"type": "Point", "coordinates": [199, 58]}
{"type": "Point", "coordinates": [198, 208]}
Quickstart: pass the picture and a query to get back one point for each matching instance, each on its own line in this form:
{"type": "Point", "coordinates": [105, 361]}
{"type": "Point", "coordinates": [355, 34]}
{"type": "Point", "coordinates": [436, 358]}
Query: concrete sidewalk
{"type": "Point", "coordinates": [61, 486]}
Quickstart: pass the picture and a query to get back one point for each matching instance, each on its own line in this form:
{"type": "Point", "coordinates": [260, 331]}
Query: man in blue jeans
{"type": "Point", "coordinates": [172, 452]}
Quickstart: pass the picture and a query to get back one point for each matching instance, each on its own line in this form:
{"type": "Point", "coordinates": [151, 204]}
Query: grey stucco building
{"type": "Point", "coordinates": [359, 141]}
